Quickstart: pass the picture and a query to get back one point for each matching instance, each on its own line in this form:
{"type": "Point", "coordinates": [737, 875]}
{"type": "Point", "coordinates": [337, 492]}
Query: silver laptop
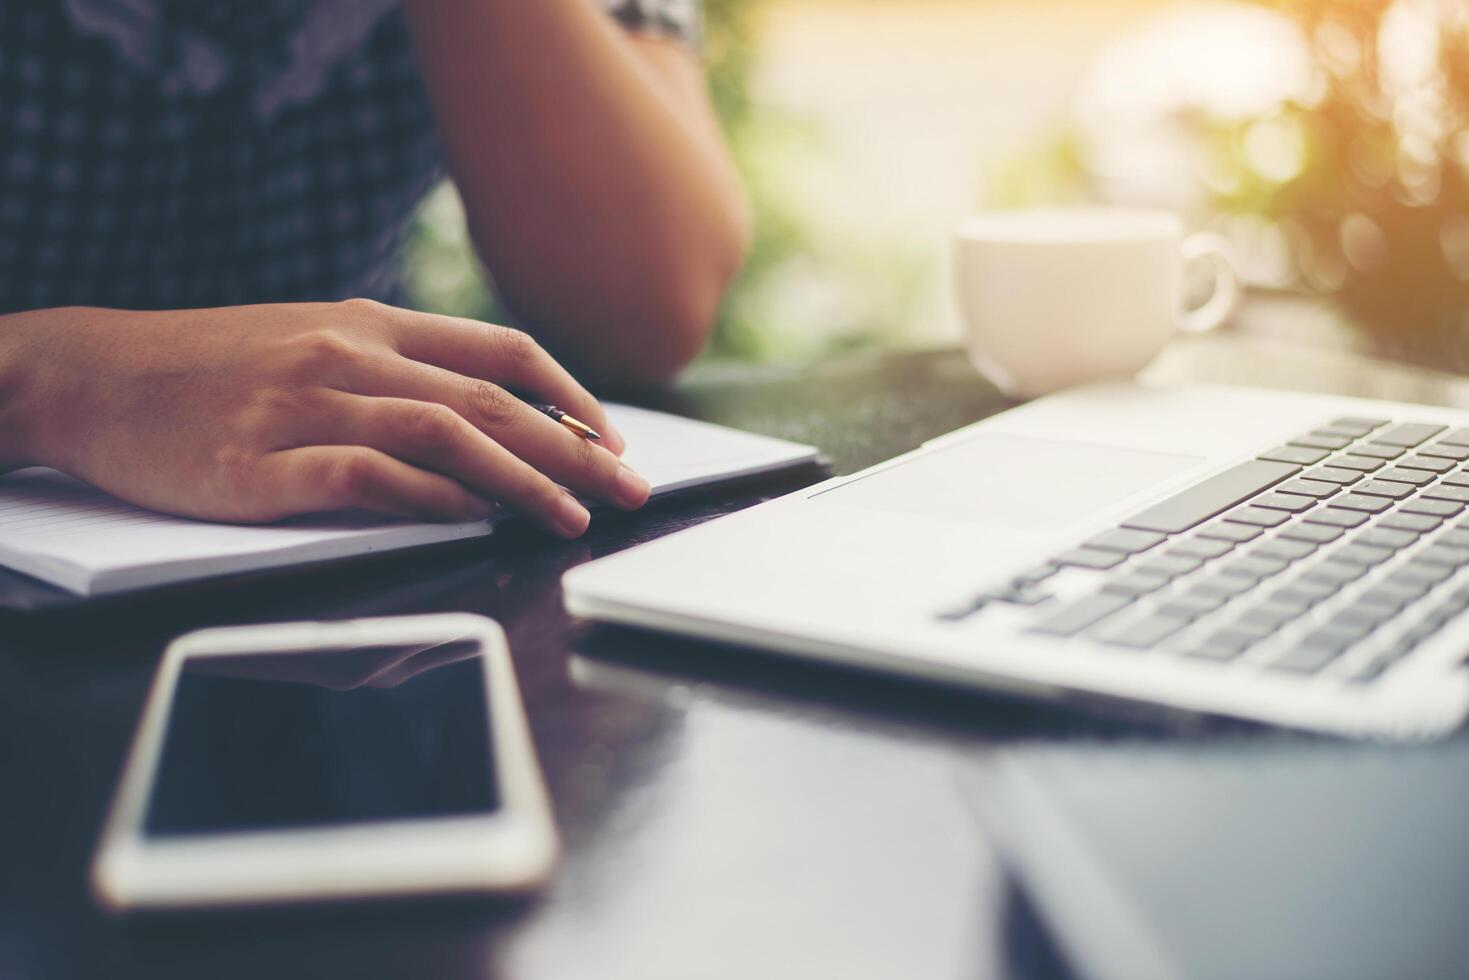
{"type": "Point", "coordinates": [1295, 559]}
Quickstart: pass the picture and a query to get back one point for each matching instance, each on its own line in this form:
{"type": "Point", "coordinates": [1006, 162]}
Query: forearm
{"type": "Point", "coordinates": [597, 188]}
{"type": "Point", "coordinates": [17, 384]}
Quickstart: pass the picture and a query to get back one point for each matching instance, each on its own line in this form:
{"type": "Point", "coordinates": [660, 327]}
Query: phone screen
{"type": "Point", "coordinates": [309, 739]}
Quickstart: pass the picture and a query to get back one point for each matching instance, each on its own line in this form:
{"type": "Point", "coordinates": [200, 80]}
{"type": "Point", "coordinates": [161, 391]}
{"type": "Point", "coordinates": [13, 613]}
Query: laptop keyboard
{"type": "Point", "coordinates": [1336, 550]}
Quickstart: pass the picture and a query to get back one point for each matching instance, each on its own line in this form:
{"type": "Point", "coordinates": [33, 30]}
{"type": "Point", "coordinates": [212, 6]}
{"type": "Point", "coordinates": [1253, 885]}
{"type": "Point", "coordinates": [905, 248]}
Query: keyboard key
{"type": "Point", "coordinates": [1201, 548]}
{"type": "Point", "coordinates": [1456, 536]}
{"type": "Point", "coordinates": [1311, 533]}
{"type": "Point", "coordinates": [1365, 617]}
{"type": "Point", "coordinates": [963, 610]}
{"type": "Point", "coordinates": [1443, 554]}
{"type": "Point", "coordinates": [1166, 567]}
{"type": "Point", "coordinates": [1037, 574]}
{"type": "Point", "coordinates": [1459, 495]}
{"type": "Point", "coordinates": [1264, 620]}
{"type": "Point", "coordinates": [1349, 630]}
{"type": "Point", "coordinates": [1457, 453]}
{"type": "Point", "coordinates": [1294, 454]}
{"type": "Point", "coordinates": [1225, 531]}
{"type": "Point", "coordinates": [1383, 597]}
{"type": "Point", "coordinates": [1363, 464]}
{"type": "Point", "coordinates": [1334, 573]}
{"type": "Point", "coordinates": [1416, 523]}
{"type": "Point", "coordinates": [1434, 620]}
{"type": "Point", "coordinates": [1090, 558]}
{"type": "Point", "coordinates": [1078, 615]}
{"type": "Point", "coordinates": [1283, 549]}
{"type": "Point", "coordinates": [1408, 588]}
{"type": "Point", "coordinates": [1418, 478]}
{"type": "Point", "coordinates": [1335, 517]}
{"type": "Point", "coordinates": [1322, 440]}
{"type": "Point", "coordinates": [1431, 507]}
{"type": "Point", "coordinates": [1357, 553]}
{"type": "Point", "coordinates": [1458, 437]}
{"type": "Point", "coordinates": [1385, 537]}
{"type": "Point", "coordinates": [1459, 479]}
{"type": "Point", "coordinates": [1456, 602]}
{"type": "Point", "coordinates": [1221, 586]}
{"type": "Point", "coordinates": [1411, 584]}
{"type": "Point", "coordinates": [1358, 426]}
{"type": "Point", "coordinates": [1253, 568]}
{"type": "Point", "coordinates": [1380, 663]}
{"type": "Point", "coordinates": [1142, 633]}
{"type": "Point", "coordinates": [1384, 488]}
{"type": "Point", "coordinates": [1430, 463]}
{"type": "Point", "coordinates": [1126, 540]}
{"type": "Point", "coordinates": [1377, 450]}
{"type": "Point", "coordinates": [1319, 489]}
{"type": "Point", "coordinates": [1020, 594]}
{"type": "Point", "coordinates": [1257, 516]}
{"type": "Point", "coordinates": [1421, 632]}
{"type": "Point", "coordinates": [1212, 496]}
{"type": "Point", "coordinates": [1316, 650]}
{"type": "Point", "coordinates": [1432, 572]}
{"type": "Point", "coordinates": [1225, 644]}
{"type": "Point", "coordinates": [1332, 474]}
{"type": "Point", "coordinates": [1189, 607]}
{"type": "Point", "coordinates": [1361, 502]}
{"type": "Point", "coordinates": [1294, 503]}
{"type": "Point", "coordinates": [1301, 594]}
{"type": "Point", "coordinates": [1409, 434]}
{"type": "Point", "coordinates": [1419, 574]}
{"type": "Point", "coordinates": [1133, 585]}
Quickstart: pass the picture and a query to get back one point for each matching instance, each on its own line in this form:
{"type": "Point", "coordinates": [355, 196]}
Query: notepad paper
{"type": "Point", "coordinates": [65, 532]}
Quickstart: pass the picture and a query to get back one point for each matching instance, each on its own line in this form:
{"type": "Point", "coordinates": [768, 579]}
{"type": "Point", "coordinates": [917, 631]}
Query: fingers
{"type": "Point", "coordinates": [505, 356]}
{"type": "Point", "coordinates": [319, 478]}
{"type": "Point", "coordinates": [580, 464]}
{"type": "Point", "coordinates": [434, 437]}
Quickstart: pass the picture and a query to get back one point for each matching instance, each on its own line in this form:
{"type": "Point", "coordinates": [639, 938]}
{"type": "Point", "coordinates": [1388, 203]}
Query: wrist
{"type": "Point", "coordinates": [17, 381]}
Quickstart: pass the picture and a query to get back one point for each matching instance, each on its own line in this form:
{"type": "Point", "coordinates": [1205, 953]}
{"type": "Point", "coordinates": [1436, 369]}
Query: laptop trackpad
{"type": "Point", "coordinates": [1011, 482]}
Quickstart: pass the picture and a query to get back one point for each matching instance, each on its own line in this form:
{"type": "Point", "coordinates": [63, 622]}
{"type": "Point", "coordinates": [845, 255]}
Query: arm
{"type": "Point", "coordinates": [596, 183]}
{"type": "Point", "coordinates": [13, 390]}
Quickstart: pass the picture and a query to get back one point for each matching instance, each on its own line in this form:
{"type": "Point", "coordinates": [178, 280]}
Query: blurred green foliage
{"type": "Point", "coordinates": [1378, 211]}
{"type": "Point", "coordinates": [1364, 177]}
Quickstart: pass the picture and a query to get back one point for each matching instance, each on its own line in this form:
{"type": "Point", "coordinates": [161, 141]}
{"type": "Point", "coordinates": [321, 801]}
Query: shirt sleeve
{"type": "Point", "coordinates": [671, 18]}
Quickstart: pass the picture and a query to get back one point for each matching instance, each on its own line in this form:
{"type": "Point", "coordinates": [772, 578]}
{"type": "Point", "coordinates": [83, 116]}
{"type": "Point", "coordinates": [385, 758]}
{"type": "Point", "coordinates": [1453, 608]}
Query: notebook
{"type": "Point", "coordinates": [67, 533]}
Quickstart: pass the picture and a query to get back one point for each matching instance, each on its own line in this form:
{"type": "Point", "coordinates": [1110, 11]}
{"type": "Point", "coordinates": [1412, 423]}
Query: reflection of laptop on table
{"type": "Point", "coordinates": [1266, 859]}
{"type": "Point", "coordinates": [1284, 557]}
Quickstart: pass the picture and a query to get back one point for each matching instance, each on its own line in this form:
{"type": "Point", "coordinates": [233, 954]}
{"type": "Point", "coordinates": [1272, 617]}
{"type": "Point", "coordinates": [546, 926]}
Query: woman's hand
{"type": "Point", "coordinates": [256, 413]}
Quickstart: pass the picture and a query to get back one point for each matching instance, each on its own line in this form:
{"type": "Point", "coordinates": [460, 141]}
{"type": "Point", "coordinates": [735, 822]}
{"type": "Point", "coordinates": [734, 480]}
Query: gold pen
{"type": "Point", "coordinates": [575, 425]}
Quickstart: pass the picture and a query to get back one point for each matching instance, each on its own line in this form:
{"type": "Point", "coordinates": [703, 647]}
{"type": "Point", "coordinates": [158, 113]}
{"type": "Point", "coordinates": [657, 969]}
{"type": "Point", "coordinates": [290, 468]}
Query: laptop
{"type": "Point", "coordinates": [1294, 559]}
{"type": "Point", "coordinates": [1240, 858]}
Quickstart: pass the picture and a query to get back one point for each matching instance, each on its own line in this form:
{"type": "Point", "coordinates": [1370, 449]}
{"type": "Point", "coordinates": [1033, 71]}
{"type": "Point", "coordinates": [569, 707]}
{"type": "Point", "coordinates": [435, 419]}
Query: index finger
{"type": "Point", "coordinates": [510, 358]}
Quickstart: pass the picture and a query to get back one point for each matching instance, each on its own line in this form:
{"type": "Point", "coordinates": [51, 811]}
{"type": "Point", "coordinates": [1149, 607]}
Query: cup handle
{"type": "Point", "coordinates": [1221, 304]}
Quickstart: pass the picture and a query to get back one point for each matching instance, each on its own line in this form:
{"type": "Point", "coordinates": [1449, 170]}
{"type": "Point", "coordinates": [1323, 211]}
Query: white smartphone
{"type": "Point", "coordinates": [311, 762]}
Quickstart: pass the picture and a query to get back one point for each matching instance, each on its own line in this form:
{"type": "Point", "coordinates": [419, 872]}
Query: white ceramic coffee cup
{"type": "Point", "coordinates": [1054, 298]}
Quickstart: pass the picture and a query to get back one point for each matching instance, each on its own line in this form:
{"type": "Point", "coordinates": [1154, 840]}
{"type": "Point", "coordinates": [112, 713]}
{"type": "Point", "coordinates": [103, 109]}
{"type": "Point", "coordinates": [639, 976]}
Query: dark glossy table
{"type": "Point", "coordinates": [724, 814]}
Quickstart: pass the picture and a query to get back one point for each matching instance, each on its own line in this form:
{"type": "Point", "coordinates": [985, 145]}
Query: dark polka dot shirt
{"type": "Point", "coordinates": [171, 154]}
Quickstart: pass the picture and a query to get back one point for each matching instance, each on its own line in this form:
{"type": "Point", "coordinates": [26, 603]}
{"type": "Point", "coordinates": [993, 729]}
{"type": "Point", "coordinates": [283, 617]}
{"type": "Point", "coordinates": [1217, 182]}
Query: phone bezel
{"type": "Point", "coordinates": [510, 850]}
